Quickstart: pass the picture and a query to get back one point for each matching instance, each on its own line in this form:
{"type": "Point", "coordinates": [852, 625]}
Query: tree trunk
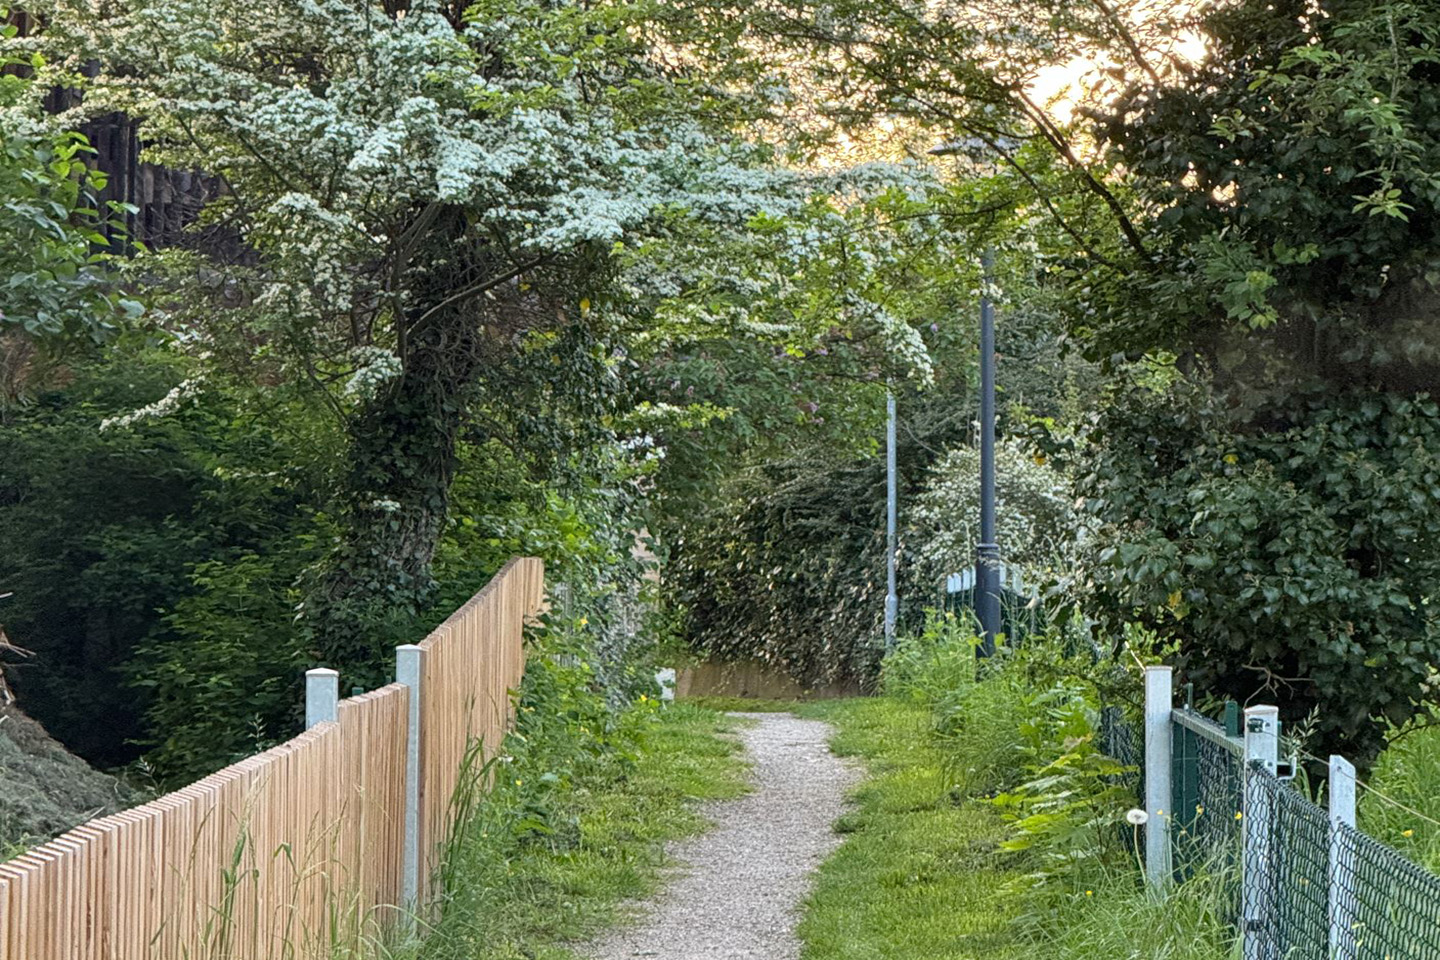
{"type": "Point", "coordinates": [371, 592]}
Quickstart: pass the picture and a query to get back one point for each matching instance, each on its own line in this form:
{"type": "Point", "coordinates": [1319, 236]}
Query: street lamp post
{"type": "Point", "coordinates": [987, 551]}
{"type": "Point", "coordinates": [892, 601]}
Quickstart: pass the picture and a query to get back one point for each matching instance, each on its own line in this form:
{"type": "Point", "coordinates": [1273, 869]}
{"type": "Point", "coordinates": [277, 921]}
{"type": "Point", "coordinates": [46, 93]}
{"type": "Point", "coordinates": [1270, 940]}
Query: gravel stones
{"type": "Point", "coordinates": [740, 886]}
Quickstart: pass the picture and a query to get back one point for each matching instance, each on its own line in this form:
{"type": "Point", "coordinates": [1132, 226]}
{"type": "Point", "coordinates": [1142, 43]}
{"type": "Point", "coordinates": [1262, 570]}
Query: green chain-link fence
{"type": "Point", "coordinates": [1389, 908]}
{"type": "Point", "coordinates": [1207, 784]}
{"type": "Point", "coordinates": [1287, 914]}
{"type": "Point", "coordinates": [1120, 740]}
{"type": "Point", "coordinates": [1304, 888]}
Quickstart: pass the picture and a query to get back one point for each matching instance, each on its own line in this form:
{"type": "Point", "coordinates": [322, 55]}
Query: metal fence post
{"type": "Point", "coordinates": [1262, 753]}
{"type": "Point", "coordinates": [1232, 718]}
{"type": "Point", "coordinates": [1159, 701]}
{"type": "Point", "coordinates": [322, 696]}
{"type": "Point", "coordinates": [409, 669]}
{"type": "Point", "coordinates": [1340, 895]}
{"type": "Point", "coordinates": [665, 677]}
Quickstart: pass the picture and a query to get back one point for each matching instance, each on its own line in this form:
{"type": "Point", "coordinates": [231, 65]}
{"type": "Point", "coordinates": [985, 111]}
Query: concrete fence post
{"type": "Point", "coordinates": [322, 697]}
{"type": "Point", "coordinates": [409, 670]}
{"type": "Point", "coordinates": [1341, 895]}
{"type": "Point", "coordinates": [665, 677]}
{"type": "Point", "coordinates": [1257, 907]}
{"type": "Point", "coordinates": [1159, 702]}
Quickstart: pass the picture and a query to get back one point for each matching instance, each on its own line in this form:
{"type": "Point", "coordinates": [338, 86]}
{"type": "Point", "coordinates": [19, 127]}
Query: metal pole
{"type": "Point", "coordinates": [1345, 934]}
{"type": "Point", "coordinates": [1159, 702]}
{"type": "Point", "coordinates": [410, 670]}
{"type": "Point", "coordinates": [1257, 890]}
{"type": "Point", "coordinates": [987, 551]}
{"type": "Point", "coordinates": [892, 601]}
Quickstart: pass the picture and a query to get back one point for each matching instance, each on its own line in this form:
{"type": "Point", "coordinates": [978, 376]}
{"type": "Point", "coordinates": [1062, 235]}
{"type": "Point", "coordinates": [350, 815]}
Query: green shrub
{"type": "Point", "coordinates": [1065, 811]}
{"type": "Point", "coordinates": [1292, 546]}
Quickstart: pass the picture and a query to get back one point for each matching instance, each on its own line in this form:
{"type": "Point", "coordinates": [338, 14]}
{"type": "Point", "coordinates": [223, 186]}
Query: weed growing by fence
{"type": "Point", "coordinates": [1406, 774]}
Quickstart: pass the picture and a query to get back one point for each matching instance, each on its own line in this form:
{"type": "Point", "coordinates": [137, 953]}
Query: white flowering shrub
{"type": "Point", "coordinates": [1035, 521]}
{"type": "Point", "coordinates": [486, 225]}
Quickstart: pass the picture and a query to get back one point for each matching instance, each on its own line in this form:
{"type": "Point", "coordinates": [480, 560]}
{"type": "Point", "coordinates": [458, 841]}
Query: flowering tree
{"type": "Point", "coordinates": [456, 220]}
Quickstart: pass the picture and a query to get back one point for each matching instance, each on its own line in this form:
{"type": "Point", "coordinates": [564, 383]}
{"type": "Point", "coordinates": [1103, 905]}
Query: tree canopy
{"type": "Point", "coordinates": [565, 277]}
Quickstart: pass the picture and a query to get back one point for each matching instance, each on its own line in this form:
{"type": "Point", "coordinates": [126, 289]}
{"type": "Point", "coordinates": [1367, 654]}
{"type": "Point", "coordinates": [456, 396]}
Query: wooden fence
{"type": "Point", "coordinates": [468, 663]}
{"type": "Point", "coordinates": [288, 851]}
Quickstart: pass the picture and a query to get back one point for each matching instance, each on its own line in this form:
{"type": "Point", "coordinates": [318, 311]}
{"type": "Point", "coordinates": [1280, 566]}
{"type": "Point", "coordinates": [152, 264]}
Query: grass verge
{"type": "Point", "coordinates": [538, 871]}
{"type": "Point", "coordinates": [920, 876]}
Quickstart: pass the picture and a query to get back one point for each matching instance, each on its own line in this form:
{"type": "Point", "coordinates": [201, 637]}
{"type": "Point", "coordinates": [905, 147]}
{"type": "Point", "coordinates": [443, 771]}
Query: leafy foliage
{"type": "Point", "coordinates": [1291, 174]}
{"type": "Point", "coordinates": [1066, 810]}
{"type": "Point", "coordinates": [429, 201]}
{"type": "Point", "coordinates": [1292, 560]}
{"type": "Point", "coordinates": [56, 288]}
{"type": "Point", "coordinates": [136, 515]}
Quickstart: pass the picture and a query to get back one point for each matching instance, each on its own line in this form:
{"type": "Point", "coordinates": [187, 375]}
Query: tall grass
{"type": "Point", "coordinates": [1403, 807]}
{"type": "Point", "coordinates": [987, 827]}
{"type": "Point", "coordinates": [1117, 918]}
{"type": "Point", "coordinates": [352, 929]}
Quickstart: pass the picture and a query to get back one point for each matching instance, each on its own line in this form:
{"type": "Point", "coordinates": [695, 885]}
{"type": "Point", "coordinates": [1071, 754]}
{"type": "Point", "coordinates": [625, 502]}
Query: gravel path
{"type": "Point", "coordinates": [742, 883]}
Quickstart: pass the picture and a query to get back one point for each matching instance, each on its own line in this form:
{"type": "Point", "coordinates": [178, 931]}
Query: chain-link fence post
{"type": "Point", "coordinates": [1257, 907]}
{"type": "Point", "coordinates": [1341, 896]}
{"type": "Point", "coordinates": [1159, 701]}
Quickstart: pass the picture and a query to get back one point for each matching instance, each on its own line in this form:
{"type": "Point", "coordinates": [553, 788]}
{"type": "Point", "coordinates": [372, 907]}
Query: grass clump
{"type": "Point", "coordinates": [1119, 919]}
{"type": "Point", "coordinates": [1401, 808]}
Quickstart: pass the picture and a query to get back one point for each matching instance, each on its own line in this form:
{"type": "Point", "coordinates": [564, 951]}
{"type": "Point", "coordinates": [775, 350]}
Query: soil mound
{"type": "Point", "coordinates": [44, 789]}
